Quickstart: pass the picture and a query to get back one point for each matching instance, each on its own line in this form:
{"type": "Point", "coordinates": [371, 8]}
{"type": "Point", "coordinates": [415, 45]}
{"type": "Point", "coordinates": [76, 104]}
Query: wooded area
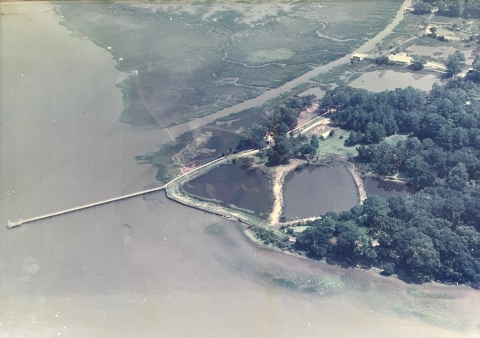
{"type": "Point", "coordinates": [433, 234]}
{"type": "Point", "coordinates": [279, 123]}
{"type": "Point", "coordinates": [452, 8]}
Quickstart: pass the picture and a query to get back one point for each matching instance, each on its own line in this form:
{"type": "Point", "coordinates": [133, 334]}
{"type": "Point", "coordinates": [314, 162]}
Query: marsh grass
{"type": "Point", "coordinates": [193, 62]}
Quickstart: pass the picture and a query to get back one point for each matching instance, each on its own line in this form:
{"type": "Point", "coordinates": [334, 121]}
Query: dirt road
{"type": "Point", "coordinates": [279, 178]}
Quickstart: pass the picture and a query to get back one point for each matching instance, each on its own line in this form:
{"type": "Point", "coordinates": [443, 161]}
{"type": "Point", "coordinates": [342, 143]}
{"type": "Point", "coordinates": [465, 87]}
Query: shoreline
{"type": "Point", "coordinates": [280, 173]}
{"type": "Point", "coordinates": [376, 271]}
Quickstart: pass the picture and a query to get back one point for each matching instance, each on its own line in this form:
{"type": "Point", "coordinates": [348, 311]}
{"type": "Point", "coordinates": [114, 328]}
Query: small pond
{"type": "Point", "coordinates": [389, 80]}
{"type": "Point", "coordinates": [316, 190]}
{"type": "Point", "coordinates": [385, 189]}
{"type": "Point", "coordinates": [232, 184]}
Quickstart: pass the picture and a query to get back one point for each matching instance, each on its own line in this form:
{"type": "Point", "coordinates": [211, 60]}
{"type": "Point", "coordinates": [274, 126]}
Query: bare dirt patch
{"type": "Point", "coordinates": [279, 174]}
{"type": "Point", "coordinates": [358, 182]}
{"type": "Point", "coordinates": [319, 128]}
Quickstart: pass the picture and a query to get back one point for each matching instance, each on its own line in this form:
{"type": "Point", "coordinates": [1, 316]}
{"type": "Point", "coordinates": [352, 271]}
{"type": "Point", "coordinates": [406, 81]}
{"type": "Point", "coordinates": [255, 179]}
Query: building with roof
{"type": "Point", "coordinates": [400, 58]}
{"type": "Point", "coordinates": [360, 57]}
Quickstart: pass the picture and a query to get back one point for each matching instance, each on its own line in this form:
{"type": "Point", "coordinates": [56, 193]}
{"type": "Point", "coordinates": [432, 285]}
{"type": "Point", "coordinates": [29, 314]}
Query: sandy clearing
{"type": "Point", "coordinates": [362, 194]}
{"type": "Point", "coordinates": [279, 177]}
{"type": "Point", "coordinates": [324, 121]}
{"type": "Point", "coordinates": [308, 219]}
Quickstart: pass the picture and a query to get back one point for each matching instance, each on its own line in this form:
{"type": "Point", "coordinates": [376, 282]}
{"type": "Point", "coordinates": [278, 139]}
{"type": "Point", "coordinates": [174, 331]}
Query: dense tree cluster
{"type": "Point", "coordinates": [452, 8]}
{"type": "Point", "coordinates": [418, 62]}
{"type": "Point", "coordinates": [268, 237]}
{"type": "Point", "coordinates": [434, 234]}
{"type": "Point", "coordinates": [455, 63]}
{"type": "Point", "coordinates": [383, 60]}
{"type": "Point", "coordinates": [422, 8]}
{"type": "Point", "coordinates": [372, 116]}
{"type": "Point", "coordinates": [413, 236]}
{"type": "Point", "coordinates": [444, 131]}
{"type": "Point", "coordinates": [474, 73]}
{"type": "Point", "coordinates": [280, 122]}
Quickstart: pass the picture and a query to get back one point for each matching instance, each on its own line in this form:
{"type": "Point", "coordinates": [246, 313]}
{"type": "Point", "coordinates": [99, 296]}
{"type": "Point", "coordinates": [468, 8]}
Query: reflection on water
{"type": "Point", "coordinates": [232, 184]}
{"type": "Point", "coordinates": [317, 190]}
{"type": "Point", "coordinates": [385, 189]}
{"type": "Point", "coordinates": [389, 80]}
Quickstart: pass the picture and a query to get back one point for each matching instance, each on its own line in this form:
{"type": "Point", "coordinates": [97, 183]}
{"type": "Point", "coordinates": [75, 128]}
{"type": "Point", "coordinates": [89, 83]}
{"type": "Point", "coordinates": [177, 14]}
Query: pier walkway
{"type": "Point", "coordinates": [16, 223]}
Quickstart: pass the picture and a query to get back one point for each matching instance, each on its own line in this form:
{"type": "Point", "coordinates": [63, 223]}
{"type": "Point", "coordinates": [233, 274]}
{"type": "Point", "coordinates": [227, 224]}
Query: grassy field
{"type": "Point", "coordinates": [336, 146]}
{"type": "Point", "coordinates": [196, 58]}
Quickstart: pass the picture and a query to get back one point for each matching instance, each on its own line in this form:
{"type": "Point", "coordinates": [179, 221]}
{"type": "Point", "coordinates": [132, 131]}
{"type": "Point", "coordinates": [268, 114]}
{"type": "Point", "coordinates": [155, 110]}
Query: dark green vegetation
{"type": "Point", "coordinates": [451, 8]}
{"type": "Point", "coordinates": [434, 234]}
{"type": "Point", "coordinates": [455, 63]}
{"type": "Point", "coordinates": [383, 60]}
{"type": "Point", "coordinates": [268, 237]}
{"type": "Point", "coordinates": [194, 59]}
{"type": "Point", "coordinates": [418, 62]}
{"type": "Point", "coordinates": [278, 124]}
{"type": "Point", "coordinates": [372, 116]}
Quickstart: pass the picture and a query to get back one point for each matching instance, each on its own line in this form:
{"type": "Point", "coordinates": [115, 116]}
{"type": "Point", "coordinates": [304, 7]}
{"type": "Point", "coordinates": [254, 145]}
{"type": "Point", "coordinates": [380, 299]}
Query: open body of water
{"type": "Point", "coordinates": [385, 189]}
{"type": "Point", "coordinates": [232, 184]}
{"type": "Point", "coordinates": [150, 267]}
{"type": "Point", "coordinates": [381, 80]}
{"type": "Point", "coordinates": [316, 190]}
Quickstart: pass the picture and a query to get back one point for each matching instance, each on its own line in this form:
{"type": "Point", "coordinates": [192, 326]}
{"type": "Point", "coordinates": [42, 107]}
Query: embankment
{"type": "Point", "coordinates": [358, 182]}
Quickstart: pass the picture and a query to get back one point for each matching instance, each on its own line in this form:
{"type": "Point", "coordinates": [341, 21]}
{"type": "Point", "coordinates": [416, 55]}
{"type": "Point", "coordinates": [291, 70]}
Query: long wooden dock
{"type": "Point", "coordinates": [16, 223]}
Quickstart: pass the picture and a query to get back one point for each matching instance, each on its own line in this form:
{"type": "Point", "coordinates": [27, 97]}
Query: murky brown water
{"type": "Point", "coordinates": [150, 267]}
{"type": "Point", "coordinates": [385, 189]}
{"type": "Point", "coordinates": [316, 190]}
{"type": "Point", "coordinates": [232, 184]}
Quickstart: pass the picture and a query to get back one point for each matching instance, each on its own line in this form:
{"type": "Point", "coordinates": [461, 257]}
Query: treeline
{"type": "Point", "coordinates": [434, 234]}
{"type": "Point", "coordinates": [449, 115]}
{"type": "Point", "coordinates": [279, 123]}
{"type": "Point", "coordinates": [372, 116]}
{"type": "Point", "coordinates": [409, 235]}
{"type": "Point", "coordinates": [444, 132]}
{"type": "Point", "coordinates": [451, 8]}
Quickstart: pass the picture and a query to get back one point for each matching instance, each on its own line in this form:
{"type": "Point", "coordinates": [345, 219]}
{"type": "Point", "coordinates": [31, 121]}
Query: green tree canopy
{"type": "Point", "coordinates": [455, 63]}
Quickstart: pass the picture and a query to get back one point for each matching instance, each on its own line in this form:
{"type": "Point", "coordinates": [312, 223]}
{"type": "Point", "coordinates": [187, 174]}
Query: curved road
{"type": "Point", "coordinates": [177, 130]}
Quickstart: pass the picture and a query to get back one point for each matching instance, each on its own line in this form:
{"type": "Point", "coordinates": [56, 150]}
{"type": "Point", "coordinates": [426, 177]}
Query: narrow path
{"type": "Point", "coordinates": [18, 222]}
{"type": "Point", "coordinates": [279, 178]}
{"type": "Point", "coordinates": [362, 194]}
{"type": "Point", "coordinates": [177, 130]}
